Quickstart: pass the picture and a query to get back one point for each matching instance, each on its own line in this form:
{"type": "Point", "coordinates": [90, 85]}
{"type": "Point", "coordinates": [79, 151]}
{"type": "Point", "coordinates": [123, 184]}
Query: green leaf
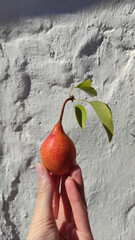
{"type": "Point", "coordinates": [86, 87]}
{"type": "Point", "coordinates": [81, 115]}
{"type": "Point", "coordinates": [104, 113]}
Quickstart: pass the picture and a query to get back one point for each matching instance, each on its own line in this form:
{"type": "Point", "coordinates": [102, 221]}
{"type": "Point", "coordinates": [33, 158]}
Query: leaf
{"type": "Point", "coordinates": [86, 87]}
{"type": "Point", "coordinates": [81, 115]}
{"type": "Point", "coordinates": [104, 113]}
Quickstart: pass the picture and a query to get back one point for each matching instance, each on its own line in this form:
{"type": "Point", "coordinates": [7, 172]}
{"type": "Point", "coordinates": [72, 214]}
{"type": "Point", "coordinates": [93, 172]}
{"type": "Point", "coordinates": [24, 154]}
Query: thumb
{"type": "Point", "coordinates": [43, 214]}
{"type": "Point", "coordinates": [43, 209]}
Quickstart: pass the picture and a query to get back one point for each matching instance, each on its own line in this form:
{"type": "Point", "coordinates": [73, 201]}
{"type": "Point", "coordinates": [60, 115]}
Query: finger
{"type": "Point", "coordinates": [79, 211]}
{"type": "Point", "coordinates": [56, 194]}
{"type": "Point", "coordinates": [64, 205]}
{"type": "Point", "coordinates": [43, 214]}
{"type": "Point", "coordinates": [76, 174]}
{"type": "Point", "coordinates": [45, 194]}
{"type": "Point", "coordinates": [65, 229]}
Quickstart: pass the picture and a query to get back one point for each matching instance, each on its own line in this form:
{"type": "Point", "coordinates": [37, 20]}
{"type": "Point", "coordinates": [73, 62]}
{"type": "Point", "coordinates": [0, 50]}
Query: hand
{"type": "Point", "coordinates": [60, 216]}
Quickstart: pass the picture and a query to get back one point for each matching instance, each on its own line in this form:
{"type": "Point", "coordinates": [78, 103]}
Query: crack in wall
{"type": "Point", "coordinates": [19, 127]}
{"type": "Point", "coordinates": [28, 162]}
{"type": "Point", "coordinates": [10, 225]}
{"type": "Point", "coordinates": [1, 49]}
{"type": "Point", "coordinates": [130, 209]}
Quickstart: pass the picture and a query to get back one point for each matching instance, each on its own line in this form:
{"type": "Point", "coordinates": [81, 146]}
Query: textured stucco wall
{"type": "Point", "coordinates": [45, 48]}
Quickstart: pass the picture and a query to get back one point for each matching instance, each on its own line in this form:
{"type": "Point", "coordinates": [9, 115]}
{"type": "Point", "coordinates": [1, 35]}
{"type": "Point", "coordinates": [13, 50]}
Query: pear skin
{"type": "Point", "coordinates": [58, 152]}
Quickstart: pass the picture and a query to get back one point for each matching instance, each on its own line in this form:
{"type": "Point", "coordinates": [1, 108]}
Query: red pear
{"type": "Point", "coordinates": [58, 152]}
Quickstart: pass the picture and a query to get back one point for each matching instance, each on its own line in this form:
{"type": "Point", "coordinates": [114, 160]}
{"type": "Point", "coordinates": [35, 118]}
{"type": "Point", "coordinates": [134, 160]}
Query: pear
{"type": "Point", "coordinates": [58, 152]}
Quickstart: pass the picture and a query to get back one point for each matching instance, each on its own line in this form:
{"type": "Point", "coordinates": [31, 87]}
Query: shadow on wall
{"type": "Point", "coordinates": [12, 10]}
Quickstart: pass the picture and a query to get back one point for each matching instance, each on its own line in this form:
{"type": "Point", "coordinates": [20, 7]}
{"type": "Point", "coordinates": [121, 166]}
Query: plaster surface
{"type": "Point", "coordinates": [47, 47]}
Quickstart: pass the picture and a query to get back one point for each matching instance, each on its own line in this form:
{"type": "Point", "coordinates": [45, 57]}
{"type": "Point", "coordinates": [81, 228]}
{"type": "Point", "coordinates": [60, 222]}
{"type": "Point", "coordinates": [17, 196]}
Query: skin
{"type": "Point", "coordinates": [60, 216]}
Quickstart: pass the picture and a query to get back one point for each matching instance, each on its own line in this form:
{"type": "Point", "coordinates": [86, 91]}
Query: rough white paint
{"type": "Point", "coordinates": [45, 48]}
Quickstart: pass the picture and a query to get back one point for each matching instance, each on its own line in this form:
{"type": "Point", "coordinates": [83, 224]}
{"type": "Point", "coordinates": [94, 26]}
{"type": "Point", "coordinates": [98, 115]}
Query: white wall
{"type": "Point", "coordinates": [46, 47]}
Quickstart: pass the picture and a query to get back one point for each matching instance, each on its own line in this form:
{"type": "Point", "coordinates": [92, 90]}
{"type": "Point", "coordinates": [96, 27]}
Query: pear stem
{"type": "Point", "coordinates": [71, 98]}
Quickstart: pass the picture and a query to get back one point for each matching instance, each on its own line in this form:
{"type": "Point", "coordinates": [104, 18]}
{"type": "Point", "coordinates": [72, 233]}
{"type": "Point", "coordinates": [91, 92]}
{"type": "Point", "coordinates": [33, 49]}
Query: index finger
{"type": "Point", "coordinates": [79, 210]}
{"type": "Point", "coordinates": [76, 174]}
{"type": "Point", "coordinates": [56, 195]}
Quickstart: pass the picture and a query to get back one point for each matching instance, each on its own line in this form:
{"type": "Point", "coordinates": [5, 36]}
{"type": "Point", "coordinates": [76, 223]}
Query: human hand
{"type": "Point", "coordinates": [60, 216]}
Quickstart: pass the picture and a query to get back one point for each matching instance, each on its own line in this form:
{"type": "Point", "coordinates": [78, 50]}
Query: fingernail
{"type": "Point", "coordinates": [40, 170]}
